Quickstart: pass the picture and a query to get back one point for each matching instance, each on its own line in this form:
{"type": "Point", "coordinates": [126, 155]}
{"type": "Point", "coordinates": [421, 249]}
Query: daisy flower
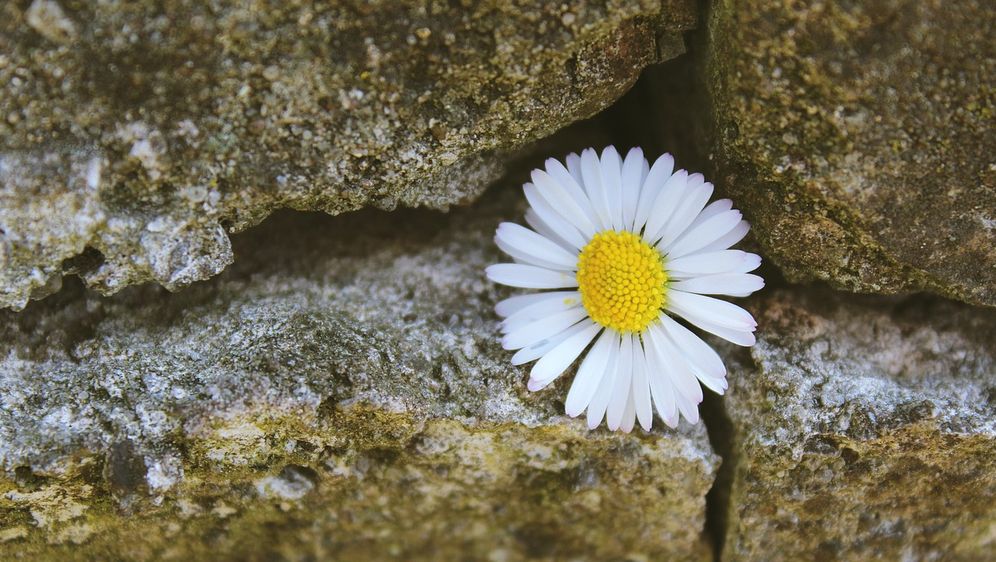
{"type": "Point", "coordinates": [627, 249]}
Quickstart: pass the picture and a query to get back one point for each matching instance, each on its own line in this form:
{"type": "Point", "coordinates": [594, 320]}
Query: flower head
{"type": "Point", "coordinates": [628, 248]}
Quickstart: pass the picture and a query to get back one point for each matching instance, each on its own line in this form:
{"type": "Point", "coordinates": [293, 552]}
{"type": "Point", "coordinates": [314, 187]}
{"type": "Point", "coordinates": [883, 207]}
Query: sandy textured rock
{"type": "Point", "coordinates": [348, 398]}
{"type": "Point", "coordinates": [868, 431]}
{"type": "Point", "coordinates": [858, 137]}
{"type": "Point", "coordinates": [137, 135]}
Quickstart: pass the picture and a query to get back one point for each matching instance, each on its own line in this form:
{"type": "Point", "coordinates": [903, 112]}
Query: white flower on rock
{"type": "Point", "coordinates": [625, 247]}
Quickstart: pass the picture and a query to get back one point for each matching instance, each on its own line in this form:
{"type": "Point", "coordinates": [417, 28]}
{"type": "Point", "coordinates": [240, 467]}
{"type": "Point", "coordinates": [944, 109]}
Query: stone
{"type": "Point", "coordinates": [293, 483]}
{"type": "Point", "coordinates": [866, 431]}
{"type": "Point", "coordinates": [139, 135]}
{"type": "Point", "coordinates": [339, 392]}
{"type": "Point", "coordinates": [857, 138]}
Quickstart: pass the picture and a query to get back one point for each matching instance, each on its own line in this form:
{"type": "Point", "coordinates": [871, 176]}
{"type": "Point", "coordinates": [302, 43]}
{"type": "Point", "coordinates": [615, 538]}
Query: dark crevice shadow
{"type": "Point", "coordinates": [721, 437]}
{"type": "Point", "coordinates": [677, 101]}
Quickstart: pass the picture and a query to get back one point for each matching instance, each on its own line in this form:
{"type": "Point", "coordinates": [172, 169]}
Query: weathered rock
{"type": "Point", "coordinates": [858, 138]}
{"type": "Point", "coordinates": [348, 398]}
{"type": "Point", "coordinates": [867, 431]}
{"type": "Point", "coordinates": [137, 135]}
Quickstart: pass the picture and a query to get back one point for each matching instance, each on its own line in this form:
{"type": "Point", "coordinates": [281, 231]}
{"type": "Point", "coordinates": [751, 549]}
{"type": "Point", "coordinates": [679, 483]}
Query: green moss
{"type": "Point", "coordinates": [865, 431]}
{"type": "Point", "coordinates": [204, 120]}
{"type": "Point", "coordinates": [915, 489]}
{"type": "Point", "coordinates": [363, 483]}
{"type": "Point", "coordinates": [813, 142]}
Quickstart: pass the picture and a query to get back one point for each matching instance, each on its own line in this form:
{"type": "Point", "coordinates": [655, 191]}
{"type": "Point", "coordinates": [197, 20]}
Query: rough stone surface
{"type": "Point", "coordinates": [858, 138]}
{"type": "Point", "coordinates": [348, 398]}
{"type": "Point", "coordinates": [137, 135]}
{"type": "Point", "coordinates": [867, 431]}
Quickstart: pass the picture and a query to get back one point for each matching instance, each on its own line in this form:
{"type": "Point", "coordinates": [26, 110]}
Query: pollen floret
{"type": "Point", "coordinates": [622, 281]}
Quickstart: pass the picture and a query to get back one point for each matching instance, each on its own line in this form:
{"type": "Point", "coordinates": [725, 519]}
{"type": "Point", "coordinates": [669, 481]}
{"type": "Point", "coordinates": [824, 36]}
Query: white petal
{"type": "Point", "coordinates": [554, 302]}
{"type": "Point", "coordinates": [714, 318]}
{"type": "Point", "coordinates": [611, 173]}
{"type": "Point", "coordinates": [562, 202]}
{"type": "Point", "coordinates": [732, 284]}
{"type": "Point", "coordinates": [537, 224]}
{"type": "Point", "coordinates": [712, 209]}
{"type": "Point", "coordinates": [591, 172]}
{"type": "Point", "coordinates": [590, 374]}
{"type": "Point", "coordinates": [530, 276]}
{"type": "Point", "coordinates": [526, 244]}
{"type": "Point", "coordinates": [731, 238]}
{"type": "Point", "coordinates": [698, 353]}
{"type": "Point", "coordinates": [522, 257]}
{"type": "Point", "coordinates": [668, 199]}
{"type": "Point", "coordinates": [564, 177]}
{"type": "Point", "coordinates": [543, 328]}
{"type": "Point", "coordinates": [652, 184]}
{"type": "Point", "coordinates": [743, 338]}
{"type": "Point", "coordinates": [696, 196]}
{"type": "Point", "coordinates": [751, 262]}
{"type": "Point", "coordinates": [660, 386]}
{"type": "Point", "coordinates": [712, 263]}
{"type": "Point", "coordinates": [542, 347]}
{"type": "Point", "coordinates": [621, 389]}
{"type": "Point", "coordinates": [688, 408]}
{"type": "Point", "coordinates": [573, 162]}
{"type": "Point", "coordinates": [718, 386]}
{"type": "Point", "coordinates": [680, 374]}
{"type": "Point", "coordinates": [694, 360]}
{"type": "Point", "coordinates": [511, 305]}
{"type": "Point", "coordinates": [678, 379]}
{"type": "Point", "coordinates": [632, 180]}
{"type": "Point", "coordinates": [600, 400]}
{"type": "Point", "coordinates": [552, 218]}
{"type": "Point", "coordinates": [713, 311]}
{"type": "Point", "coordinates": [554, 363]}
{"type": "Point", "coordinates": [641, 387]}
{"type": "Point", "coordinates": [629, 414]}
{"type": "Point", "coordinates": [705, 233]}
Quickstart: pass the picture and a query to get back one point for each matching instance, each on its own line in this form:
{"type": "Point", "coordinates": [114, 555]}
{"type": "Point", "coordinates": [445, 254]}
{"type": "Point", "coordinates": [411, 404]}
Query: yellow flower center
{"type": "Point", "coordinates": [622, 281]}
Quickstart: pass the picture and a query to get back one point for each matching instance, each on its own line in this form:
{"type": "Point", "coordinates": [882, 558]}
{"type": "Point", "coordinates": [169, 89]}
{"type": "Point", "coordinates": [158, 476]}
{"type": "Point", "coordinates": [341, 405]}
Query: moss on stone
{"type": "Point", "coordinates": [362, 483]}
{"type": "Point", "coordinates": [152, 131]}
{"type": "Point", "coordinates": [345, 399]}
{"type": "Point", "coordinates": [846, 132]}
{"type": "Point", "coordinates": [866, 431]}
